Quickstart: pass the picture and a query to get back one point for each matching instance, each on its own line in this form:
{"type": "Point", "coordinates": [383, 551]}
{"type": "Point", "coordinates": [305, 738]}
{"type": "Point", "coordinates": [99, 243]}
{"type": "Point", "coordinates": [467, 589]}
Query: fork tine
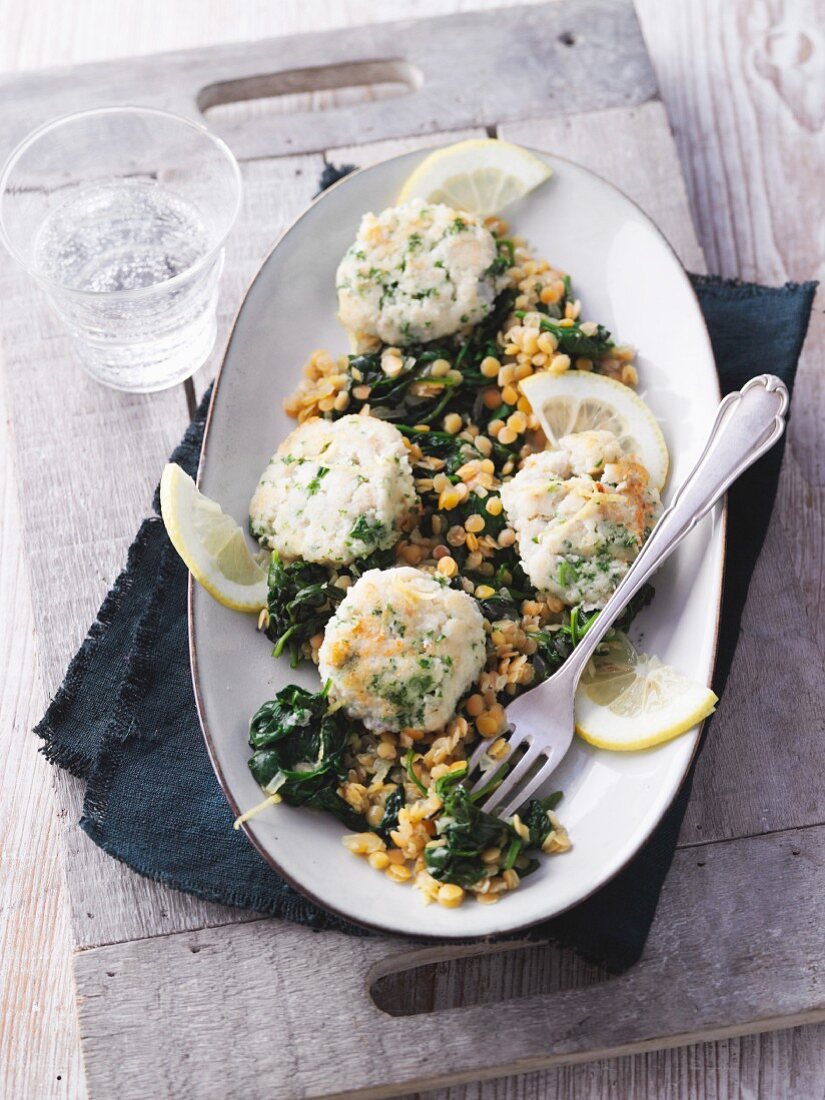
{"type": "Point", "coordinates": [513, 743]}
{"type": "Point", "coordinates": [530, 787]}
{"type": "Point", "coordinates": [513, 779]}
{"type": "Point", "coordinates": [475, 760]}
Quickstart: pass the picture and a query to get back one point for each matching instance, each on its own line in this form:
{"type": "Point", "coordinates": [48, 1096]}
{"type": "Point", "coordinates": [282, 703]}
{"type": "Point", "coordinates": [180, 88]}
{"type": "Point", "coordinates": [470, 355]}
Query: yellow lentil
{"type": "Point", "coordinates": [412, 555]}
{"type": "Point", "coordinates": [449, 499]}
{"type": "Point", "coordinates": [374, 815]}
{"type": "Point", "coordinates": [487, 725]}
{"type": "Point", "coordinates": [475, 704]}
{"type": "Point", "coordinates": [487, 899]}
{"type": "Point", "coordinates": [492, 398]}
{"type": "Point", "coordinates": [379, 861]}
{"type": "Point", "coordinates": [494, 506]}
{"type": "Point", "coordinates": [399, 872]}
{"type": "Point", "coordinates": [475, 523]}
{"type": "Point", "coordinates": [447, 567]}
{"type": "Point", "coordinates": [362, 844]}
{"type": "Point", "coordinates": [452, 423]}
{"type": "Point", "coordinates": [450, 895]}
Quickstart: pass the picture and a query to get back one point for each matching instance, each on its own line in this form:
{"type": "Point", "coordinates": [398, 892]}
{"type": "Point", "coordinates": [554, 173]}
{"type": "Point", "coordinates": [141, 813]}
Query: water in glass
{"type": "Point", "coordinates": [126, 235]}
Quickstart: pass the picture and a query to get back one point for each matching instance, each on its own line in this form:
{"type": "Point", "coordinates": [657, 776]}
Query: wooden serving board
{"type": "Point", "coordinates": [178, 997]}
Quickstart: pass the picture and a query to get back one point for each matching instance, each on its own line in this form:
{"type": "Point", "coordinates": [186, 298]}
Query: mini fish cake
{"type": "Point", "coordinates": [415, 273]}
{"type": "Point", "coordinates": [335, 491]}
{"type": "Point", "coordinates": [402, 649]}
{"type": "Point", "coordinates": [581, 515]}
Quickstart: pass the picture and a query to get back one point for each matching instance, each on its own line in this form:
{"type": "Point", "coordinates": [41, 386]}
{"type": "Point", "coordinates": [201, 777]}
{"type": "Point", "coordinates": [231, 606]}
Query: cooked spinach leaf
{"type": "Point", "coordinates": [301, 742]}
{"type": "Point", "coordinates": [574, 342]}
{"type": "Point", "coordinates": [535, 818]}
{"type": "Point", "coordinates": [300, 599]}
{"type": "Point", "coordinates": [466, 832]}
{"type": "Point", "coordinates": [395, 802]}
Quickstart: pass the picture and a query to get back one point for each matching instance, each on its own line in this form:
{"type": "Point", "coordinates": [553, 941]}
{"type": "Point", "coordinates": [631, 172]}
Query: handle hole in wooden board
{"type": "Point", "coordinates": [489, 977]}
{"type": "Point", "coordinates": [300, 91]}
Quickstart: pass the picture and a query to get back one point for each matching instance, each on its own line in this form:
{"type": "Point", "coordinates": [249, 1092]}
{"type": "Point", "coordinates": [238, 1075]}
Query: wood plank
{"type": "Point", "coordinates": [39, 1040]}
{"type": "Point", "coordinates": [778, 1065]}
{"type": "Point", "coordinates": [786, 1065]}
{"type": "Point", "coordinates": [592, 55]}
{"type": "Point", "coordinates": [775, 723]}
{"type": "Point", "coordinates": [743, 85]}
{"type": "Point", "coordinates": [76, 530]}
{"type": "Point", "coordinates": [275, 193]}
{"type": "Point", "coordinates": [371, 152]}
{"type": "Point", "coordinates": [743, 967]}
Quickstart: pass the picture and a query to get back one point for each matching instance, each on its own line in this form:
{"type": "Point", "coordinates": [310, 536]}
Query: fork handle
{"type": "Point", "coordinates": [747, 424]}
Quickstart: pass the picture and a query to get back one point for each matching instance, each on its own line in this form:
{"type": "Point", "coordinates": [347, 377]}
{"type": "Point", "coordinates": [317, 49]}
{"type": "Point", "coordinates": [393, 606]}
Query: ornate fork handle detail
{"type": "Point", "coordinates": [747, 424]}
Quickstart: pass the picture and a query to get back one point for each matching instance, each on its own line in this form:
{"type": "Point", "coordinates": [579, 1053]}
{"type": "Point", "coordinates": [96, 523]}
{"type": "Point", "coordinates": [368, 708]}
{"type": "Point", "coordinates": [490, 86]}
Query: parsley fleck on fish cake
{"type": "Point", "coordinates": [581, 515]}
{"type": "Point", "coordinates": [416, 272]}
{"type": "Point", "coordinates": [402, 649]}
{"type": "Point", "coordinates": [335, 491]}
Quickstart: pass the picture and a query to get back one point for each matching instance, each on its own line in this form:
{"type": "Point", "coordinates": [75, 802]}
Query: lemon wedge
{"type": "Point", "coordinates": [627, 700]}
{"type": "Point", "coordinates": [580, 401]}
{"type": "Point", "coordinates": [212, 544]}
{"type": "Point", "coordinates": [481, 176]}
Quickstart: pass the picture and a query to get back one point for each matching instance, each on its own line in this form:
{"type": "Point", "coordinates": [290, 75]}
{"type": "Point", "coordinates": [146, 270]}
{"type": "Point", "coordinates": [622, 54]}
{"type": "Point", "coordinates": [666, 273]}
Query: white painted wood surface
{"type": "Point", "coordinates": [697, 954]}
{"type": "Point", "coordinates": [757, 79]}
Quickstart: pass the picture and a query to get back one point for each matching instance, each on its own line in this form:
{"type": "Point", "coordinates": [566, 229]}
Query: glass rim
{"type": "Point", "coordinates": [202, 263]}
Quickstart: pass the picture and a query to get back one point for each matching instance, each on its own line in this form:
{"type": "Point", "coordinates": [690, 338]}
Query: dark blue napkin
{"type": "Point", "coordinates": [125, 720]}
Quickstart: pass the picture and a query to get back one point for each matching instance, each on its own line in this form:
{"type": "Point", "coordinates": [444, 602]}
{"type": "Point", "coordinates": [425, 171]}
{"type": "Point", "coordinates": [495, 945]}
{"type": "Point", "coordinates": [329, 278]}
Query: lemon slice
{"type": "Point", "coordinates": [580, 401]}
{"type": "Point", "coordinates": [627, 700]}
{"type": "Point", "coordinates": [212, 545]}
{"type": "Point", "coordinates": [481, 176]}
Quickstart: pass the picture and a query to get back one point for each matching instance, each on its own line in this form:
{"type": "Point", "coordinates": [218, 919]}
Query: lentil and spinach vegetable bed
{"type": "Point", "coordinates": [467, 429]}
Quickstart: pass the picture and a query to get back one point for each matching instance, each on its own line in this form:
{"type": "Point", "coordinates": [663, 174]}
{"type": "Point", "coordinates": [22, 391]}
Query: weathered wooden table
{"type": "Point", "coordinates": [745, 88]}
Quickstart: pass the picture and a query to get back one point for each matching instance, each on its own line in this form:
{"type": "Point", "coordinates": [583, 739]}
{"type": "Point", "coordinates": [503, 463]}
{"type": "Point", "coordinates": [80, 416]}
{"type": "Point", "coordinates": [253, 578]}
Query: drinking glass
{"type": "Point", "coordinates": [121, 214]}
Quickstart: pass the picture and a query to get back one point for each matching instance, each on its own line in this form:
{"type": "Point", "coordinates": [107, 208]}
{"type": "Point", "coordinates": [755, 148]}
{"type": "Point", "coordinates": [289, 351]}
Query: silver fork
{"type": "Point", "coordinates": [748, 423]}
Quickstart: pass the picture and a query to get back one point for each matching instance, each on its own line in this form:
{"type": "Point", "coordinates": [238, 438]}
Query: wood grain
{"type": "Point", "coordinates": [699, 64]}
{"type": "Point", "coordinates": [112, 439]}
{"type": "Point", "coordinates": [753, 966]}
{"type": "Point", "coordinates": [39, 1042]}
{"type": "Point", "coordinates": [592, 53]}
{"type": "Point", "coordinates": [744, 84]}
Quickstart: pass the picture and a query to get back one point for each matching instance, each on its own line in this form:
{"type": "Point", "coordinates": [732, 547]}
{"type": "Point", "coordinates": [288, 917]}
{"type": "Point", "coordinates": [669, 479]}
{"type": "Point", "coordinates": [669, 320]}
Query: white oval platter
{"type": "Point", "coordinates": [629, 279]}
